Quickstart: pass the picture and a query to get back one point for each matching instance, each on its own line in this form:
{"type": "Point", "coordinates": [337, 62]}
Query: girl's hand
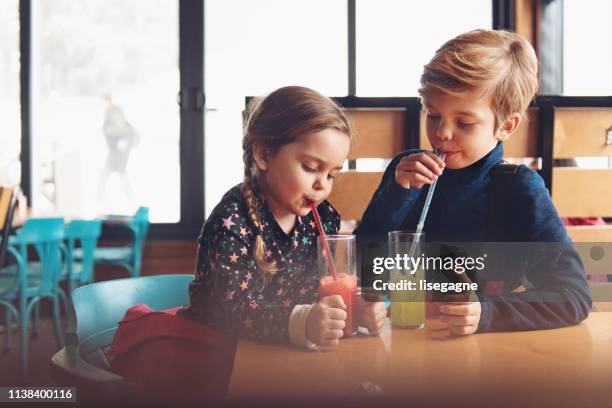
{"type": "Point", "coordinates": [418, 169]}
{"type": "Point", "coordinates": [325, 321]}
{"type": "Point", "coordinates": [462, 318]}
{"type": "Point", "coordinates": [373, 315]}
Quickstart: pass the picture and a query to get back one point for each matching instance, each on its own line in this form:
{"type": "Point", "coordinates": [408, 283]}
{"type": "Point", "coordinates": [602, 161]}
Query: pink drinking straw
{"type": "Point", "coordinates": [330, 264]}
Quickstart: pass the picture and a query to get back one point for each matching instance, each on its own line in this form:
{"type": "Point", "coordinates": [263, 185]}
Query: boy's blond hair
{"type": "Point", "coordinates": [503, 63]}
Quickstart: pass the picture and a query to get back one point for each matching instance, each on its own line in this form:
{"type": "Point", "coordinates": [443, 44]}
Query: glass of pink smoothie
{"type": "Point", "coordinates": [343, 253]}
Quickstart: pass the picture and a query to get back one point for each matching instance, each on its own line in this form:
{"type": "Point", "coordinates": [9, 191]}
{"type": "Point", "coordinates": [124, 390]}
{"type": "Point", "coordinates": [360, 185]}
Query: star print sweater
{"type": "Point", "coordinates": [227, 294]}
{"type": "Point", "coordinates": [459, 213]}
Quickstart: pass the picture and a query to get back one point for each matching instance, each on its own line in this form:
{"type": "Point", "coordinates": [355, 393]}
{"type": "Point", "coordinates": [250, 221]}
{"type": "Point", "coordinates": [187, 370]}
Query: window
{"type": "Point", "coordinates": [395, 38]}
{"type": "Point", "coordinates": [105, 130]}
{"type": "Point", "coordinates": [254, 47]}
{"type": "Point", "coordinates": [587, 61]}
{"type": "Point", "coordinates": [10, 137]}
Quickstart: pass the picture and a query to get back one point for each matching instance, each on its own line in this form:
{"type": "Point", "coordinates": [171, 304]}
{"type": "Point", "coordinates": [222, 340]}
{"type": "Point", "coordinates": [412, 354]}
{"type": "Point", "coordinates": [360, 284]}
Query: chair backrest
{"type": "Point", "coordinates": [46, 236]}
{"type": "Point", "coordinates": [586, 192]}
{"type": "Point", "coordinates": [87, 233]}
{"type": "Point", "coordinates": [583, 192]}
{"type": "Point", "coordinates": [100, 306]}
{"type": "Point", "coordinates": [8, 200]}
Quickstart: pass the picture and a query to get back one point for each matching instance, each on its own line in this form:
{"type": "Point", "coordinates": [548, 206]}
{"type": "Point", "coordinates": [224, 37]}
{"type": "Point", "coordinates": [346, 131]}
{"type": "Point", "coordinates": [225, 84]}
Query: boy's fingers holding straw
{"type": "Point", "coordinates": [433, 162]}
{"type": "Point", "coordinates": [421, 168]}
{"type": "Point", "coordinates": [430, 161]}
{"type": "Point", "coordinates": [438, 159]}
{"type": "Point", "coordinates": [418, 169]}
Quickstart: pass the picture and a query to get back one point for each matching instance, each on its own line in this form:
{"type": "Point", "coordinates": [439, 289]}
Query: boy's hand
{"type": "Point", "coordinates": [462, 318]}
{"type": "Point", "coordinates": [325, 321]}
{"type": "Point", "coordinates": [416, 170]}
{"type": "Point", "coordinates": [372, 317]}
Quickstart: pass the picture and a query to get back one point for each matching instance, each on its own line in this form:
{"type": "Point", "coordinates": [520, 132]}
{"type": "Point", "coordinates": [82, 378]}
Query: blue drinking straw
{"type": "Point", "coordinates": [421, 224]}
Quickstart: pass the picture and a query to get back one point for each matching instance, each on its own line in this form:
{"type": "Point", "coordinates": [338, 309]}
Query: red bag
{"type": "Point", "coordinates": [165, 357]}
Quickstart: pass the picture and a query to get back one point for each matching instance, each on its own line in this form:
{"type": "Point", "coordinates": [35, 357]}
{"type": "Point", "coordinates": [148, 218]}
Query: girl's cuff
{"type": "Point", "coordinates": [297, 327]}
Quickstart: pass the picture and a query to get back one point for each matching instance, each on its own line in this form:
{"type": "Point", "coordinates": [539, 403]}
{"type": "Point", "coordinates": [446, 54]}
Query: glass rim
{"type": "Point", "coordinates": [406, 232]}
{"type": "Point", "coordinates": [337, 237]}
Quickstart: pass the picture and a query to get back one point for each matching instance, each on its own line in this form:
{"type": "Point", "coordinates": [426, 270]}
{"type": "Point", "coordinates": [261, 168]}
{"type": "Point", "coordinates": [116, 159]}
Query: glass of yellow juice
{"type": "Point", "coordinates": [407, 303]}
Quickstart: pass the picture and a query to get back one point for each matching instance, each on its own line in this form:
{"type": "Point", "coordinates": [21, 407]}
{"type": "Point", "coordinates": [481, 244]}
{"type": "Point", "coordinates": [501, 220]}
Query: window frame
{"type": "Point", "coordinates": [192, 99]}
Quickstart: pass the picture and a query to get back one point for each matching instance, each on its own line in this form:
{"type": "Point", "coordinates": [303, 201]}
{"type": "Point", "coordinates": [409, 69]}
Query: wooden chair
{"type": "Point", "coordinates": [572, 132]}
{"type": "Point", "coordinates": [581, 192]}
{"type": "Point", "coordinates": [576, 192]}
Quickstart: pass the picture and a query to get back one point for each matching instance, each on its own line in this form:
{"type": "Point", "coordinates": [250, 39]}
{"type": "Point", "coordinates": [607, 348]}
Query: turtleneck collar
{"type": "Point", "coordinates": [475, 170]}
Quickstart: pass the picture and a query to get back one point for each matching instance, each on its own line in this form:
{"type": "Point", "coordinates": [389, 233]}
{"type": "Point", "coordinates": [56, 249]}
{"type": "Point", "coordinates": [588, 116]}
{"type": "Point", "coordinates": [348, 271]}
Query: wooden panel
{"type": "Point", "coordinates": [352, 192]}
{"type": "Point", "coordinates": [5, 200]}
{"type": "Point", "coordinates": [423, 139]}
{"type": "Point", "coordinates": [582, 193]}
{"type": "Point", "coordinates": [159, 257]}
{"type": "Point", "coordinates": [379, 133]}
{"type": "Point", "coordinates": [590, 233]}
{"type": "Point", "coordinates": [524, 19]}
{"type": "Point", "coordinates": [522, 143]}
{"type": "Point", "coordinates": [581, 132]}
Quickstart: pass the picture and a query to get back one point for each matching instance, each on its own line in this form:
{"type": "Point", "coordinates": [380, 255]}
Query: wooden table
{"type": "Point", "coordinates": [570, 366]}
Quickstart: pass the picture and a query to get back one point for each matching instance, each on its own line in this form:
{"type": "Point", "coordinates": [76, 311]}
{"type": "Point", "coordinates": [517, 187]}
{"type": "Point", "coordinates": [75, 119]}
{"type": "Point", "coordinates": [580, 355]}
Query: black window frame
{"type": "Point", "coordinates": [190, 97]}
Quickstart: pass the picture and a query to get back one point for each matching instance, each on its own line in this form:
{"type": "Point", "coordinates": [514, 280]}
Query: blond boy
{"type": "Point", "coordinates": [475, 91]}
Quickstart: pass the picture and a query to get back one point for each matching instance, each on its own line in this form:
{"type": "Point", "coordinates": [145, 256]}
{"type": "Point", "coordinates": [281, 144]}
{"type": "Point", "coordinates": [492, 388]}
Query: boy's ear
{"type": "Point", "coordinates": [508, 126]}
{"type": "Point", "coordinates": [260, 155]}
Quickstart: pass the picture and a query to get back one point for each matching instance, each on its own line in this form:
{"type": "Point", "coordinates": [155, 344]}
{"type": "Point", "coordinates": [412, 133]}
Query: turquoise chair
{"type": "Point", "coordinates": [86, 233]}
{"type": "Point", "coordinates": [28, 282]}
{"type": "Point", "coordinates": [128, 257]}
{"type": "Point", "coordinates": [92, 322]}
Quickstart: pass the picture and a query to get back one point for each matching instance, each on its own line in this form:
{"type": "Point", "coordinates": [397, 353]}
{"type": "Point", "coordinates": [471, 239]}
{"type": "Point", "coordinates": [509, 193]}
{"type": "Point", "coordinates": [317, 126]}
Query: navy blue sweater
{"type": "Point", "coordinates": [459, 213]}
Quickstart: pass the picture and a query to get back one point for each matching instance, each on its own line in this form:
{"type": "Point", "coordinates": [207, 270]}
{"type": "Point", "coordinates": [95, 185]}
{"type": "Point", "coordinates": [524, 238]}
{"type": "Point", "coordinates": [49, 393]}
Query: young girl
{"type": "Point", "coordinates": [256, 265]}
